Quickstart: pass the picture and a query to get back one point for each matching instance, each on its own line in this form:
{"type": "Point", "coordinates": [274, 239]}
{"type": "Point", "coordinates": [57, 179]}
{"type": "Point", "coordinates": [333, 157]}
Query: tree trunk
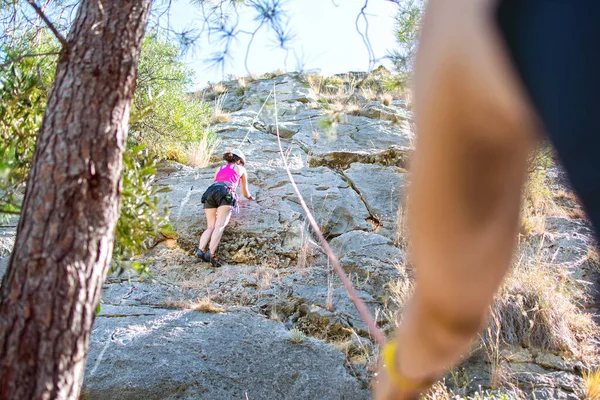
{"type": "Point", "coordinates": [64, 240]}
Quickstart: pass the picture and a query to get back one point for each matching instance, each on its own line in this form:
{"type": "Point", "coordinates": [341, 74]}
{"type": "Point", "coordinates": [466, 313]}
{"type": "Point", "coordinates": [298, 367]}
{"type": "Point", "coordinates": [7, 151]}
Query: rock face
{"type": "Point", "coordinates": [275, 278]}
{"type": "Point", "coordinates": [151, 342]}
{"type": "Point", "coordinates": [7, 241]}
{"type": "Point", "coordinates": [334, 174]}
{"type": "Point", "coordinates": [149, 353]}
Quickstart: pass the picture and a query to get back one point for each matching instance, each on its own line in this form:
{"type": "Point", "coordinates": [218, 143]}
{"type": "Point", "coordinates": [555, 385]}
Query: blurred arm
{"type": "Point", "coordinates": [474, 136]}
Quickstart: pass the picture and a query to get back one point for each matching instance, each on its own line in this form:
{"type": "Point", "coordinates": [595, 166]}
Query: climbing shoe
{"type": "Point", "coordinates": [200, 254]}
{"type": "Point", "coordinates": [206, 256]}
{"type": "Point", "coordinates": [215, 262]}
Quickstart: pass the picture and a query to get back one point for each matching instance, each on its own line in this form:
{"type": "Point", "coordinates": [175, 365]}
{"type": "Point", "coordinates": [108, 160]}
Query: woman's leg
{"type": "Point", "coordinates": [223, 215]}
{"type": "Point", "coordinates": [211, 218]}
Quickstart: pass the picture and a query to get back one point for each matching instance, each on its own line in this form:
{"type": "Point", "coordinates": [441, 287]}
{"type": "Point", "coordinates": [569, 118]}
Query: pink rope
{"type": "Point", "coordinates": [375, 332]}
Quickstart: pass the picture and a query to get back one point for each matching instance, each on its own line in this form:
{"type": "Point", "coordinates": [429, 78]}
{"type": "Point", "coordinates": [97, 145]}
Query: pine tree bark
{"type": "Point", "coordinates": [64, 239]}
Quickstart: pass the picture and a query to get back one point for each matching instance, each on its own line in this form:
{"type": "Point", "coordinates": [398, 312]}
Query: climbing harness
{"type": "Point", "coordinates": [358, 303]}
{"type": "Point", "coordinates": [229, 178]}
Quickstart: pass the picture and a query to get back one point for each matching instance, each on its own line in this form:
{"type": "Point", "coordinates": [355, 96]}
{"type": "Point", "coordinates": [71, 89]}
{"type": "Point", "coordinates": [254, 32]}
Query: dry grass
{"type": "Point", "coordinates": [207, 306]}
{"type": "Point", "coordinates": [439, 391]}
{"type": "Point", "coordinates": [315, 82]}
{"type": "Point", "coordinates": [218, 115]}
{"type": "Point", "coordinates": [562, 194]}
{"type": "Point", "coordinates": [334, 90]}
{"type": "Point", "coordinates": [199, 153]}
{"type": "Point", "coordinates": [356, 351]}
{"type": "Point", "coordinates": [501, 375]}
{"type": "Point", "coordinates": [218, 89]}
{"type": "Point", "coordinates": [316, 136]}
{"type": "Point", "coordinates": [296, 336]}
{"type": "Point", "coordinates": [576, 213]}
{"type": "Point", "coordinates": [368, 93]}
{"type": "Point", "coordinates": [334, 95]}
{"type": "Point", "coordinates": [401, 236]}
{"type": "Point", "coordinates": [343, 345]}
{"type": "Point", "coordinates": [386, 99]}
{"type": "Point", "coordinates": [340, 109]}
{"type": "Point", "coordinates": [345, 89]}
{"type": "Point", "coordinates": [538, 307]}
{"type": "Point", "coordinates": [329, 300]}
{"type": "Point", "coordinates": [306, 252]}
{"type": "Point", "coordinates": [337, 107]}
{"type": "Point", "coordinates": [399, 292]}
{"type": "Point", "coordinates": [593, 256]}
{"type": "Point", "coordinates": [264, 275]}
{"type": "Point", "coordinates": [539, 200]}
{"type": "Point", "coordinates": [538, 203]}
{"type": "Point", "coordinates": [202, 305]}
{"type": "Point", "coordinates": [591, 382]}
{"type": "Point", "coordinates": [353, 108]}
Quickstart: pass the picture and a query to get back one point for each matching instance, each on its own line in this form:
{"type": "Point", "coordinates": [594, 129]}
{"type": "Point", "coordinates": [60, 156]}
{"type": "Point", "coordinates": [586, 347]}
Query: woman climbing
{"type": "Point", "coordinates": [218, 200]}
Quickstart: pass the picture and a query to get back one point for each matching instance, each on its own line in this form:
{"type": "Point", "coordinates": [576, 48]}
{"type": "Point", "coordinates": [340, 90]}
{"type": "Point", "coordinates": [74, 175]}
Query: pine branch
{"type": "Point", "coordinates": [49, 24]}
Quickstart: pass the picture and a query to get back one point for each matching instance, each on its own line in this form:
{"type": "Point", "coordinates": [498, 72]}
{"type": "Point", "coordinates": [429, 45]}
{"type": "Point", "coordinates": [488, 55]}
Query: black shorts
{"type": "Point", "coordinates": [555, 47]}
{"type": "Point", "coordinates": [218, 194]}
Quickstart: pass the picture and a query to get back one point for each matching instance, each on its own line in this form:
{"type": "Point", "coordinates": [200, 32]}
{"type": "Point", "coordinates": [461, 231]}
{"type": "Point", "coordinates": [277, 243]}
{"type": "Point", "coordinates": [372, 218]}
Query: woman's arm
{"type": "Point", "coordinates": [245, 190]}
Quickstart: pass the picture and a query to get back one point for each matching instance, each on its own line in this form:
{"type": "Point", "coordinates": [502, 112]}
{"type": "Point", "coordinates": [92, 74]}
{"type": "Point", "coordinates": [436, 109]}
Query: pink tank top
{"type": "Point", "coordinates": [227, 173]}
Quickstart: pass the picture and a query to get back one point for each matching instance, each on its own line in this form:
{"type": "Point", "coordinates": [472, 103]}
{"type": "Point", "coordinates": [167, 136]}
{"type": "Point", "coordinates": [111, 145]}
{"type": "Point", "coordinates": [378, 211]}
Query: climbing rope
{"type": "Point", "coordinates": [358, 303]}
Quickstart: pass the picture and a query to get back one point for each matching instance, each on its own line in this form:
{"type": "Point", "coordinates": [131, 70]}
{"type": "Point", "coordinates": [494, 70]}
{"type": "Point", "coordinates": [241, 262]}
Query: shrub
{"type": "Point", "coordinates": [141, 218]}
{"type": "Point", "coordinates": [24, 86]}
{"type": "Point", "coordinates": [164, 117]}
{"type": "Point", "coordinates": [334, 81]}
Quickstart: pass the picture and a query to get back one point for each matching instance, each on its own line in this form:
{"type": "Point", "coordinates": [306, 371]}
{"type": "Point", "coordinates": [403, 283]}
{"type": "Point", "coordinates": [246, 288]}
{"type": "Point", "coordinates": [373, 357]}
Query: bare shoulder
{"type": "Point", "coordinates": [241, 170]}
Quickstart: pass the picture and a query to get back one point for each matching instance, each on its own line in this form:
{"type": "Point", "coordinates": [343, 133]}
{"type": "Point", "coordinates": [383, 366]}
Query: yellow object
{"type": "Point", "coordinates": [591, 380]}
{"type": "Point", "coordinates": [404, 383]}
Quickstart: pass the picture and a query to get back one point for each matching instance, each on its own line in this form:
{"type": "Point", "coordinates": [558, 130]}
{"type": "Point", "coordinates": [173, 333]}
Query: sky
{"type": "Point", "coordinates": [325, 39]}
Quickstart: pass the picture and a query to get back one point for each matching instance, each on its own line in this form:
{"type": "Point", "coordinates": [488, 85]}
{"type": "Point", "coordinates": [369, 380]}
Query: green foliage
{"type": "Point", "coordinates": [240, 91]}
{"type": "Point", "coordinates": [24, 86]}
{"type": "Point", "coordinates": [395, 83]}
{"type": "Point", "coordinates": [408, 24]}
{"type": "Point", "coordinates": [141, 215]}
{"type": "Point", "coordinates": [329, 124]}
{"type": "Point", "coordinates": [334, 81]}
{"type": "Point", "coordinates": [165, 117]}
